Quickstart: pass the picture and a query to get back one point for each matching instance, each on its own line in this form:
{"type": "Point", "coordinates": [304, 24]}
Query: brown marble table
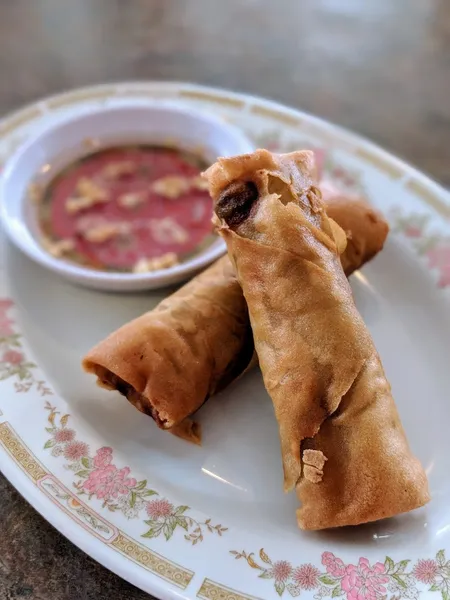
{"type": "Point", "coordinates": [379, 67]}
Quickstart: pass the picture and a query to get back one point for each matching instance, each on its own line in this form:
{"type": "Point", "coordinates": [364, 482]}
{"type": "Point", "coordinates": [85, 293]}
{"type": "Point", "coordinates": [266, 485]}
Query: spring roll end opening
{"type": "Point", "coordinates": [110, 381]}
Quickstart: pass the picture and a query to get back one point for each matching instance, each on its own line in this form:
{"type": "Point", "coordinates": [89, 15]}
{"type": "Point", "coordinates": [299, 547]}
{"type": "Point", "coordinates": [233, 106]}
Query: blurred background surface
{"type": "Point", "coordinates": [379, 67]}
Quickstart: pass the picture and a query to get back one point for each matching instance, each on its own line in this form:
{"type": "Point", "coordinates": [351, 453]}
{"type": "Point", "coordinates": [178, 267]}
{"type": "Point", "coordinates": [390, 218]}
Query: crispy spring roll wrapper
{"type": "Point", "coordinates": [343, 446]}
{"type": "Point", "coordinates": [198, 340]}
{"type": "Point", "coordinates": [365, 228]}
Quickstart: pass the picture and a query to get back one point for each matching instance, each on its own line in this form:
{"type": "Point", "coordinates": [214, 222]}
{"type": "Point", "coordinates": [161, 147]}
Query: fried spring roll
{"type": "Point", "coordinates": [169, 361]}
{"type": "Point", "coordinates": [343, 446]}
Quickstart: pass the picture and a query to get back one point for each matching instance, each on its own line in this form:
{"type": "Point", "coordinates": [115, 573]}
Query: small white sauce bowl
{"type": "Point", "coordinates": [40, 159]}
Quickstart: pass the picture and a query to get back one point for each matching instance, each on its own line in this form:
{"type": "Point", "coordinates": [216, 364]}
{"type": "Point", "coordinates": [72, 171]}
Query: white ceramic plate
{"type": "Point", "coordinates": [219, 525]}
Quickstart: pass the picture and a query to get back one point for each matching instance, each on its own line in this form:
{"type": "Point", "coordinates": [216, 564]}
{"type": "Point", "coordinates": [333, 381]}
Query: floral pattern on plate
{"type": "Point", "coordinates": [13, 363]}
{"type": "Point", "coordinates": [432, 246]}
{"type": "Point", "coordinates": [98, 477]}
{"type": "Point", "coordinates": [360, 581]}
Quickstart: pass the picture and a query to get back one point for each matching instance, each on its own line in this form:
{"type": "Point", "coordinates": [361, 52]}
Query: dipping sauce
{"type": "Point", "coordinates": [128, 209]}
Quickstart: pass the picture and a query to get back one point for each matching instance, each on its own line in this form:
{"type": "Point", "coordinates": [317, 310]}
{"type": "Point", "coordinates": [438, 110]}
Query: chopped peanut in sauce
{"type": "Point", "coordinates": [198, 211]}
{"type": "Point", "coordinates": [99, 234]}
{"type": "Point", "coordinates": [88, 188]}
{"type": "Point", "coordinates": [172, 186]}
{"type": "Point", "coordinates": [146, 265]}
{"type": "Point", "coordinates": [131, 200]}
{"type": "Point", "coordinates": [74, 205]}
{"type": "Point", "coordinates": [116, 170]}
{"type": "Point", "coordinates": [167, 231]}
{"type": "Point", "coordinates": [90, 143]}
{"type": "Point", "coordinates": [170, 142]}
{"type": "Point", "coordinates": [199, 150]}
{"type": "Point", "coordinates": [90, 194]}
{"type": "Point", "coordinates": [35, 193]}
{"type": "Point", "coordinates": [59, 248]}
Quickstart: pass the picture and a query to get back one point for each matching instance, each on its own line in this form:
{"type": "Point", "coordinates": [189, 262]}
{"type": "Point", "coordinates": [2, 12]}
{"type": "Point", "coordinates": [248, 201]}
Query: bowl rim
{"type": "Point", "coordinates": [125, 281]}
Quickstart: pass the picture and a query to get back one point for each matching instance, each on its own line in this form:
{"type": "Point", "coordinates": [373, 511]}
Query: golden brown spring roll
{"type": "Point", "coordinates": [366, 230]}
{"type": "Point", "coordinates": [343, 446]}
{"type": "Point", "coordinates": [169, 361]}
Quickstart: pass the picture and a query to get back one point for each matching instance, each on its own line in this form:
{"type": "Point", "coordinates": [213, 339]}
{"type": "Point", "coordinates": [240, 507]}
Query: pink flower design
{"type": "Point", "coordinates": [282, 570]}
{"type": "Point", "coordinates": [109, 482]}
{"type": "Point", "coordinates": [348, 180]}
{"type": "Point", "coordinates": [439, 258]}
{"type": "Point", "coordinates": [444, 279]}
{"type": "Point", "coordinates": [13, 357]}
{"type": "Point", "coordinates": [333, 564]}
{"type": "Point", "coordinates": [76, 450]}
{"type": "Point", "coordinates": [339, 172]}
{"type": "Point", "coordinates": [306, 576]}
{"type": "Point", "coordinates": [426, 571]}
{"type": "Point", "coordinates": [364, 582]}
{"type": "Point", "coordinates": [62, 436]}
{"type": "Point", "coordinates": [5, 323]}
{"type": "Point", "coordinates": [412, 231]}
{"type": "Point", "coordinates": [159, 509]}
{"type": "Point", "coordinates": [103, 457]}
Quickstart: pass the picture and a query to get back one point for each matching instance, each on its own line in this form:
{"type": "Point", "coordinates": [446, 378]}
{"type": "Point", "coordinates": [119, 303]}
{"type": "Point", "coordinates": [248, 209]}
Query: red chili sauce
{"type": "Point", "coordinates": [137, 208]}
